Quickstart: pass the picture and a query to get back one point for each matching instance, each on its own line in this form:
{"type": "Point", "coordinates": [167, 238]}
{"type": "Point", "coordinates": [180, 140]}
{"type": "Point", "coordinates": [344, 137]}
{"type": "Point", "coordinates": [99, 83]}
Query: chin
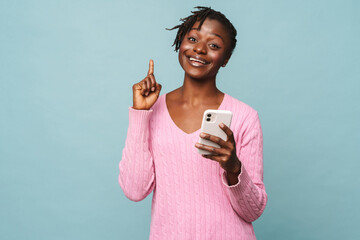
{"type": "Point", "coordinates": [199, 76]}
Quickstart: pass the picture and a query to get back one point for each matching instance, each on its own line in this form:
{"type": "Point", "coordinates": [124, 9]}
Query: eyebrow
{"type": "Point", "coordinates": [211, 33]}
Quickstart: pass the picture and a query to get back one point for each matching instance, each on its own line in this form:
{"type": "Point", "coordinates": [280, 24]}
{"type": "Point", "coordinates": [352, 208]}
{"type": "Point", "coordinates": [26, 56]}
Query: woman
{"type": "Point", "coordinates": [214, 196]}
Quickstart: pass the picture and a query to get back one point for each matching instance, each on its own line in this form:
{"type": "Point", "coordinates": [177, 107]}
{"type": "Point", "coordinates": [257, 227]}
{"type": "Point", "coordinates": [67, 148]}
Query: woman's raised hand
{"type": "Point", "coordinates": [146, 92]}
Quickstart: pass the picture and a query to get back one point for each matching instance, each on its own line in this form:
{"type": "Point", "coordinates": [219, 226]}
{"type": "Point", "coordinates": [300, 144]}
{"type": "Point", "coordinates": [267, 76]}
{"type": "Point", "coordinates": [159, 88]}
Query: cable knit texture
{"type": "Point", "coordinates": [192, 199]}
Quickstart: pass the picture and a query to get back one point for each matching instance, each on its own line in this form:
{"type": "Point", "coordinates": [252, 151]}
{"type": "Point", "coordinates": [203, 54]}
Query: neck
{"type": "Point", "coordinates": [198, 91]}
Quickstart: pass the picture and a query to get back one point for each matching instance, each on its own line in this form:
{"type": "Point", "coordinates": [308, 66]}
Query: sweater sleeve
{"type": "Point", "coordinates": [248, 197]}
{"type": "Point", "coordinates": [137, 177]}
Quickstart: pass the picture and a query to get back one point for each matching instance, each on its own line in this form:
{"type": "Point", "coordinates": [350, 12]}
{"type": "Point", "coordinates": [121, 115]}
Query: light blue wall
{"type": "Point", "coordinates": [66, 71]}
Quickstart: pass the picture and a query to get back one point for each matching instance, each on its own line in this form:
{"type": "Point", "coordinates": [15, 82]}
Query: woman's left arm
{"type": "Point", "coordinates": [242, 168]}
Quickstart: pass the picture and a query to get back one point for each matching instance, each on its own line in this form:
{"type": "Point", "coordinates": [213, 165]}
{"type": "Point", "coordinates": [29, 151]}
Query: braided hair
{"type": "Point", "coordinates": [200, 15]}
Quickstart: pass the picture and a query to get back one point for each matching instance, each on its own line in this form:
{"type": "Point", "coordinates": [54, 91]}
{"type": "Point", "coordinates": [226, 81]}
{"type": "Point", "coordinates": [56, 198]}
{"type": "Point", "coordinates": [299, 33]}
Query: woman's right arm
{"type": "Point", "coordinates": [137, 177]}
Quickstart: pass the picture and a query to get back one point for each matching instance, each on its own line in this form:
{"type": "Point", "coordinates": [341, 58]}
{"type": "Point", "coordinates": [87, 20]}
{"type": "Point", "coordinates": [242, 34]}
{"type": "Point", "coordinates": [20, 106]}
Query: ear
{"type": "Point", "coordinates": [226, 61]}
{"type": "Point", "coordinates": [226, 58]}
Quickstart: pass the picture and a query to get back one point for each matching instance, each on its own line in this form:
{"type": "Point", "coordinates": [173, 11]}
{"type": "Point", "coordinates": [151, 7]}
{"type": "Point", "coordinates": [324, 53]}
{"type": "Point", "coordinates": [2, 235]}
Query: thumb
{"type": "Point", "coordinates": [158, 88]}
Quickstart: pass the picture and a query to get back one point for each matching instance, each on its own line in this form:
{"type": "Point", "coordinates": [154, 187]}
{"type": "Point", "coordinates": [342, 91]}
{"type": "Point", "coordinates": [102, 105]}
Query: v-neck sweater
{"type": "Point", "coordinates": [191, 196]}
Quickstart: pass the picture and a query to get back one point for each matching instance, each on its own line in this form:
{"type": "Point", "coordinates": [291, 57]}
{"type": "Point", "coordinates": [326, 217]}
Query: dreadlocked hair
{"type": "Point", "coordinates": [201, 15]}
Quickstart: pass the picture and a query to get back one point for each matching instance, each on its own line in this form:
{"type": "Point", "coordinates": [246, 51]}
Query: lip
{"type": "Point", "coordinates": [196, 61]}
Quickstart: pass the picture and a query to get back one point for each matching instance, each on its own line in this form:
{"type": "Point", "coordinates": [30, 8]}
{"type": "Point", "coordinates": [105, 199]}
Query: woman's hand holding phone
{"type": "Point", "coordinates": [225, 155]}
{"type": "Point", "coordinates": [147, 91]}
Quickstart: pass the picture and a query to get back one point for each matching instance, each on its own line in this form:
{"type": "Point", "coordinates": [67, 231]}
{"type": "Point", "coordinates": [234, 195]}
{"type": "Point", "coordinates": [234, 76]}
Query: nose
{"type": "Point", "coordinates": [200, 48]}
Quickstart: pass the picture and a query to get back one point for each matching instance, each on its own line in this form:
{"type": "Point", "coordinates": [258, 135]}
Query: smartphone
{"type": "Point", "coordinates": [210, 124]}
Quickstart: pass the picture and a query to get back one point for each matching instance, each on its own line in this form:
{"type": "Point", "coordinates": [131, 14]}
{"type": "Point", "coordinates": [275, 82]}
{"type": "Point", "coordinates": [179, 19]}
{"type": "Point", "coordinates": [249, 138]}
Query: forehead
{"type": "Point", "coordinates": [212, 27]}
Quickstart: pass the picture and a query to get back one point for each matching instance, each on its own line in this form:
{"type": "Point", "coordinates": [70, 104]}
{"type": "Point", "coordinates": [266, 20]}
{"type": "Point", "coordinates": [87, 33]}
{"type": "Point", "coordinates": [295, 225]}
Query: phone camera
{"type": "Point", "coordinates": [208, 119]}
{"type": "Point", "coordinates": [209, 115]}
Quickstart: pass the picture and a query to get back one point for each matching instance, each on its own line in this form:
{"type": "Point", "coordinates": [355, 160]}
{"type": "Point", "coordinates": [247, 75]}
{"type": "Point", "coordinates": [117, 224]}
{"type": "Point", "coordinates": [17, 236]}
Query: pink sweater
{"type": "Point", "coordinates": [191, 198]}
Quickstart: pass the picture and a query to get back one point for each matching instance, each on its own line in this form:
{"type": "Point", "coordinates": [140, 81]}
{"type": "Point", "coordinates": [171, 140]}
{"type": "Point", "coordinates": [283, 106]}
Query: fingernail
{"type": "Point", "coordinates": [197, 145]}
{"type": "Point", "coordinates": [153, 89]}
{"type": "Point", "coordinates": [221, 125]}
{"type": "Point", "coordinates": [202, 134]}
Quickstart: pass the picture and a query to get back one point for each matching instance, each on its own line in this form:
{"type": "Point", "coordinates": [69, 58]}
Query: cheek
{"type": "Point", "coordinates": [183, 47]}
{"type": "Point", "coordinates": [218, 58]}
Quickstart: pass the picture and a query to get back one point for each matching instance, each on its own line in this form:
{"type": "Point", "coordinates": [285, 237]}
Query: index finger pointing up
{"type": "Point", "coordinates": [151, 67]}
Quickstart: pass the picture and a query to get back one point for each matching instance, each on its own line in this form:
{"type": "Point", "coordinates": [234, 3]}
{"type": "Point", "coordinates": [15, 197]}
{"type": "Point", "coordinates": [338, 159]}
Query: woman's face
{"type": "Point", "coordinates": [202, 52]}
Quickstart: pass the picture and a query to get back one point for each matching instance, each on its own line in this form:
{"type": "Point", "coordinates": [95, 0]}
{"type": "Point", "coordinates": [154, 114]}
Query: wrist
{"type": "Point", "coordinates": [139, 108]}
{"type": "Point", "coordinates": [232, 176]}
{"type": "Point", "coordinates": [236, 170]}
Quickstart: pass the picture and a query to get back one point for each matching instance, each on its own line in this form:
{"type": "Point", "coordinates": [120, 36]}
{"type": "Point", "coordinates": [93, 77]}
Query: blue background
{"type": "Point", "coordinates": [66, 71]}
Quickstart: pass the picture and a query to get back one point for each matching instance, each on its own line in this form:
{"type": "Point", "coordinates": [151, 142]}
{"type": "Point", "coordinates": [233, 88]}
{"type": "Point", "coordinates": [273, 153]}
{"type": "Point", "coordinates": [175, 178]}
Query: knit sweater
{"type": "Point", "coordinates": [192, 198]}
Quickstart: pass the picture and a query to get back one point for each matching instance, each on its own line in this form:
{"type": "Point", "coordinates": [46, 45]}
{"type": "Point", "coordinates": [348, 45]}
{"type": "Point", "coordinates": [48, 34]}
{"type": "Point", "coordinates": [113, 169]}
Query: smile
{"type": "Point", "coordinates": [197, 61]}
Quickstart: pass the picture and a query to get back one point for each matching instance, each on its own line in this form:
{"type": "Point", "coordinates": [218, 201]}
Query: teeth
{"type": "Point", "coordinates": [197, 60]}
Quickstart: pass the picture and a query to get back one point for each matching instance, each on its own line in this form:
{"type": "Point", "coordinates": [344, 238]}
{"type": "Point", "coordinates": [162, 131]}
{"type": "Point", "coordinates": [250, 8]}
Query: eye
{"type": "Point", "coordinates": [191, 39]}
{"type": "Point", "coordinates": [214, 46]}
